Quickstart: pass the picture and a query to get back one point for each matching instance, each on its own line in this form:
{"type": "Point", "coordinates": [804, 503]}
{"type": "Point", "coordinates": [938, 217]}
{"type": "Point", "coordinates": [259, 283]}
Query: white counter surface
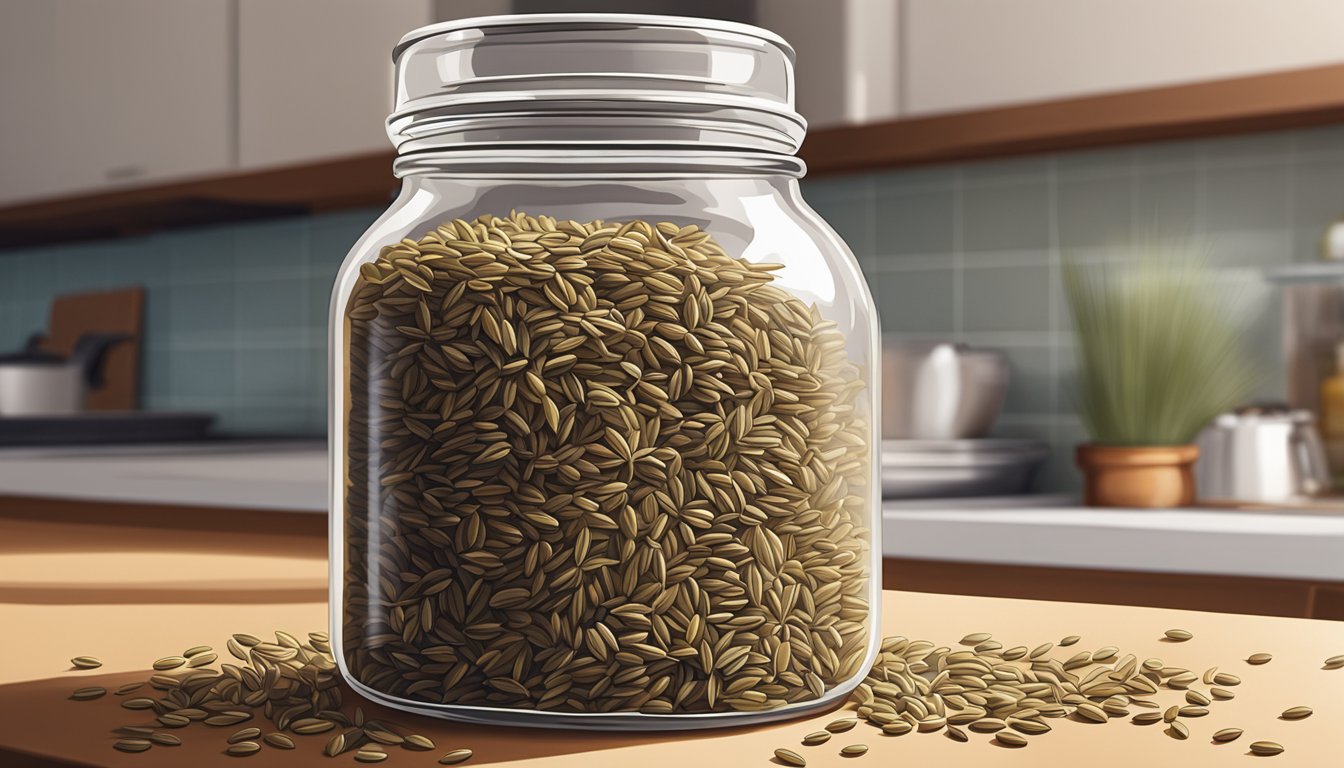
{"type": "Point", "coordinates": [1033, 530]}
{"type": "Point", "coordinates": [288, 476]}
{"type": "Point", "coordinates": [1212, 541]}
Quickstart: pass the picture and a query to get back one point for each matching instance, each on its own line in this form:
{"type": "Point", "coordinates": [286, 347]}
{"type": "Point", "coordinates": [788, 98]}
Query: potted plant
{"type": "Point", "coordinates": [1159, 357]}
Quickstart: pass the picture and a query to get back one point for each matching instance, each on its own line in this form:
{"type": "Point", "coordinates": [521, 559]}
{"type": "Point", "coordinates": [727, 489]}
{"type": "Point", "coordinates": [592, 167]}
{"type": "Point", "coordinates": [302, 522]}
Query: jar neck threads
{"type": "Point", "coordinates": [595, 162]}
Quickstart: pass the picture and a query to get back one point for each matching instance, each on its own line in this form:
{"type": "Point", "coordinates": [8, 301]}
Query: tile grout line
{"type": "Point", "coordinates": [1053, 275]}
{"type": "Point", "coordinates": [958, 243]}
{"type": "Point", "coordinates": [1290, 200]}
{"type": "Point", "coordinates": [306, 311]}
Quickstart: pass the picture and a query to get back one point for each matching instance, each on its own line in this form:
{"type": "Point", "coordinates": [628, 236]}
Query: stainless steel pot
{"type": "Point", "coordinates": [35, 383]}
{"type": "Point", "coordinates": [940, 390]}
{"type": "Point", "coordinates": [1261, 454]}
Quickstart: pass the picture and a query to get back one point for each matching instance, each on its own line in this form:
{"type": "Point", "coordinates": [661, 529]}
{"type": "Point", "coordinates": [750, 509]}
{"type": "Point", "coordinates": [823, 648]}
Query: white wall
{"type": "Point", "coordinates": [848, 56]}
{"type": "Point", "coordinates": [963, 54]}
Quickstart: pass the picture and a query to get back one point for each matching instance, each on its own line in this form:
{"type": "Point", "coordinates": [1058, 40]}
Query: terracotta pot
{"type": "Point", "coordinates": [1139, 476]}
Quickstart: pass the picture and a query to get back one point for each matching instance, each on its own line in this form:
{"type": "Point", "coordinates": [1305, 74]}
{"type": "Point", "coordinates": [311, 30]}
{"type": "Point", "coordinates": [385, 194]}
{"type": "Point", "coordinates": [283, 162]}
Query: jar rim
{"type": "Point", "coordinates": [589, 20]}
{"type": "Point", "coordinates": [590, 79]}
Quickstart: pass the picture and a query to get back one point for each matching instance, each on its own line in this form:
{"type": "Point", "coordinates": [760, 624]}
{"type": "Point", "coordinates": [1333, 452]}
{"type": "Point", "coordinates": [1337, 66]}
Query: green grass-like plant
{"type": "Point", "coordinates": [1159, 353]}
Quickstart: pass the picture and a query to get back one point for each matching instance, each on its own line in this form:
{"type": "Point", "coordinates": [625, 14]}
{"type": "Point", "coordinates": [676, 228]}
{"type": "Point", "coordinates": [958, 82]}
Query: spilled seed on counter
{"type": "Point", "coordinates": [1266, 748]}
{"type": "Point", "coordinates": [976, 693]}
{"type": "Point", "coordinates": [290, 684]}
{"type": "Point", "coordinates": [913, 686]}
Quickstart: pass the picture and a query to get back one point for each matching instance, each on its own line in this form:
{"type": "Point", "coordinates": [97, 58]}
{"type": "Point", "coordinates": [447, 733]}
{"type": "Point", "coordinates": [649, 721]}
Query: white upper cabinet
{"type": "Point", "coordinates": [98, 95]}
{"type": "Point", "coordinates": [848, 57]}
{"type": "Point", "coordinates": [315, 76]}
{"type": "Point", "coordinates": [973, 54]}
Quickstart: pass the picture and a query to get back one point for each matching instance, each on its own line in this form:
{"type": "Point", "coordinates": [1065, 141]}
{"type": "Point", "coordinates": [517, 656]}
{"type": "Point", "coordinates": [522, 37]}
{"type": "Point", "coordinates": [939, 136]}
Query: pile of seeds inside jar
{"type": "Point", "coordinates": [1009, 695]}
{"type": "Point", "coordinates": [600, 467]}
{"type": "Point", "coordinates": [293, 685]}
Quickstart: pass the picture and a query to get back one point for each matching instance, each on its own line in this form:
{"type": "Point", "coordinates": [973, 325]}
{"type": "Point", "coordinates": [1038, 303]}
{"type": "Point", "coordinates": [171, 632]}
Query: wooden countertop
{"type": "Point", "coordinates": [129, 595]}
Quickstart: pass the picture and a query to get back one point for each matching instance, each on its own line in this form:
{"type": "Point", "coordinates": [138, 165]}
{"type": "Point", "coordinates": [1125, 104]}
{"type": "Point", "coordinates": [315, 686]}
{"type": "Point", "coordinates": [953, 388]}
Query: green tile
{"type": "Point", "coordinates": [915, 221]}
{"type": "Point", "coordinates": [315, 421]}
{"type": "Point", "coordinates": [852, 219]}
{"type": "Point", "coordinates": [1259, 307]}
{"type": "Point", "coordinates": [1030, 380]}
{"type": "Point", "coordinates": [197, 374]}
{"type": "Point", "coordinates": [203, 255]}
{"type": "Point", "coordinates": [1006, 299]}
{"type": "Point", "coordinates": [1107, 161]}
{"type": "Point", "coordinates": [144, 261]}
{"type": "Point", "coordinates": [1060, 473]}
{"type": "Point", "coordinates": [12, 332]}
{"type": "Point", "coordinates": [1318, 192]}
{"type": "Point", "coordinates": [1250, 248]}
{"type": "Point", "coordinates": [1001, 217]}
{"type": "Point", "coordinates": [1167, 155]}
{"type": "Point", "coordinates": [158, 316]}
{"type": "Point", "coordinates": [1246, 197]}
{"type": "Point", "coordinates": [1025, 169]}
{"type": "Point", "coordinates": [10, 265]}
{"type": "Point", "coordinates": [84, 268]}
{"type": "Point", "coordinates": [1326, 139]}
{"type": "Point", "coordinates": [271, 249]}
{"type": "Point", "coordinates": [156, 372]}
{"type": "Point", "coordinates": [262, 418]}
{"type": "Point", "coordinates": [1037, 257]}
{"type": "Point", "coordinates": [1095, 211]}
{"type": "Point", "coordinates": [271, 373]}
{"type": "Point", "coordinates": [1062, 319]}
{"type": "Point", "coordinates": [925, 178]}
{"type": "Point", "coordinates": [1273, 147]}
{"type": "Point", "coordinates": [332, 235]}
{"type": "Point", "coordinates": [1308, 243]}
{"type": "Point", "coordinates": [319, 287]}
{"type": "Point", "coordinates": [1023, 428]}
{"type": "Point", "coordinates": [36, 274]}
{"type": "Point", "coordinates": [1166, 204]}
{"type": "Point", "coordinates": [315, 371]}
{"type": "Point", "coordinates": [916, 301]}
{"type": "Point", "coordinates": [31, 317]}
{"type": "Point", "coordinates": [203, 312]}
{"type": "Point", "coordinates": [842, 186]}
{"type": "Point", "coordinates": [274, 311]}
{"type": "Point", "coordinates": [1066, 378]}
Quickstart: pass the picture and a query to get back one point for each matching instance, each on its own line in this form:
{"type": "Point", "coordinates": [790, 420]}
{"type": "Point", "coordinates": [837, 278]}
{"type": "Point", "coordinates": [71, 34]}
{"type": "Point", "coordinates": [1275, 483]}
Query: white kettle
{"type": "Point", "coordinates": [1267, 454]}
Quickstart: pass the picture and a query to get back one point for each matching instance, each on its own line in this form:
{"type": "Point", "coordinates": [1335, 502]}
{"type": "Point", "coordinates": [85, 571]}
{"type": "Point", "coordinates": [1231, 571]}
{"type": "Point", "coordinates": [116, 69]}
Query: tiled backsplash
{"type": "Point", "coordinates": [237, 314]}
{"type": "Point", "coordinates": [972, 251]}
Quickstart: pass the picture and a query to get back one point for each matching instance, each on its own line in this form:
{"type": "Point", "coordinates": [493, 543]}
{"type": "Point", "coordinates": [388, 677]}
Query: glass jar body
{"type": "Point", "coordinates": [606, 458]}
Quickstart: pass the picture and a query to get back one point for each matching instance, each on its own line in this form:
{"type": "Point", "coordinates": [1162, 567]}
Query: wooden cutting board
{"type": "Point", "coordinates": [116, 311]}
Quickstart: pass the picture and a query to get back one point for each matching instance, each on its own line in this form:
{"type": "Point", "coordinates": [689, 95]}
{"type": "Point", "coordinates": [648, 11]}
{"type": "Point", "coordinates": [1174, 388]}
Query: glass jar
{"type": "Point", "coordinates": [603, 413]}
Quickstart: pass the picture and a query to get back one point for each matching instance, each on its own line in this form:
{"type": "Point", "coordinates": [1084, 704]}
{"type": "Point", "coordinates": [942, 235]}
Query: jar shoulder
{"type": "Point", "coordinates": [756, 218]}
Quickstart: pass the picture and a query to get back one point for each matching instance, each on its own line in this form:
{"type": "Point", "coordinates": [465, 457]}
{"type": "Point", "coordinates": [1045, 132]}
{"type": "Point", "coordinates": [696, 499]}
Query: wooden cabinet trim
{"type": "Point", "coordinates": [1278, 100]}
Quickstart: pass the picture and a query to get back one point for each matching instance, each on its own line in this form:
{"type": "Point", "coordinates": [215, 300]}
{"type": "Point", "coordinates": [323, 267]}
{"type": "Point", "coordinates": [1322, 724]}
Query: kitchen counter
{"type": "Point", "coordinates": [129, 596]}
{"type": "Point", "coordinates": [1276, 545]}
{"type": "Point", "coordinates": [1033, 531]}
{"type": "Point", "coordinates": [289, 476]}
